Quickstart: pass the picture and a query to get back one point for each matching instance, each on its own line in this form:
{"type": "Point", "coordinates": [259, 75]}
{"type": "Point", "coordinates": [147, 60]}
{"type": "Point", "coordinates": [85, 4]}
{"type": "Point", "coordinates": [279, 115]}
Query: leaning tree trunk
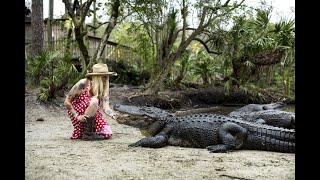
{"type": "Point", "coordinates": [37, 26]}
{"type": "Point", "coordinates": [184, 13]}
{"type": "Point", "coordinates": [78, 17]}
{"type": "Point", "coordinates": [155, 85]}
{"type": "Point", "coordinates": [104, 39]}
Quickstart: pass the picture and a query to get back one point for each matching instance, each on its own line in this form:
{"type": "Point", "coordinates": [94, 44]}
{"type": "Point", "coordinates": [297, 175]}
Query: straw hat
{"type": "Point", "coordinates": [100, 69]}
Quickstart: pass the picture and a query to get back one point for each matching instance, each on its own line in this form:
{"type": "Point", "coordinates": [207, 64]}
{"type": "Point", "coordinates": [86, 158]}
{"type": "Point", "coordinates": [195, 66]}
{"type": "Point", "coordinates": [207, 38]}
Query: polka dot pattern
{"type": "Point", "coordinates": [80, 104]}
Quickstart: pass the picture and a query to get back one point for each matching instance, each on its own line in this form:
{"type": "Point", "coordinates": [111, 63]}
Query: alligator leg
{"type": "Point", "coordinates": [158, 141]}
{"type": "Point", "coordinates": [232, 137]}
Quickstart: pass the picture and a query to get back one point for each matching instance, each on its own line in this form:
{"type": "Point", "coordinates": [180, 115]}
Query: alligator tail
{"type": "Point", "coordinates": [269, 138]}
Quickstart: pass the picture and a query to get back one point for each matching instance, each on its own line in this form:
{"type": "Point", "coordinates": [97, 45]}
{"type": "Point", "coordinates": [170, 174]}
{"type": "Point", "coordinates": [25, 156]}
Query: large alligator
{"type": "Point", "coordinates": [270, 114]}
{"type": "Point", "coordinates": [217, 133]}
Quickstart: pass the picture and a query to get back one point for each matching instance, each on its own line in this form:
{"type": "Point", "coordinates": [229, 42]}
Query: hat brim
{"type": "Point", "coordinates": [101, 74]}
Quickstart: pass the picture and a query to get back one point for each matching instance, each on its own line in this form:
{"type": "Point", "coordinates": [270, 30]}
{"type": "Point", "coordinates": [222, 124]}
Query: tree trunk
{"type": "Point", "coordinates": [157, 83]}
{"type": "Point", "coordinates": [83, 48]}
{"type": "Point", "coordinates": [184, 11]}
{"type": "Point", "coordinates": [78, 20]}
{"type": "Point", "coordinates": [69, 41]}
{"type": "Point", "coordinates": [180, 77]}
{"type": "Point", "coordinates": [37, 26]}
{"type": "Point", "coordinates": [104, 39]}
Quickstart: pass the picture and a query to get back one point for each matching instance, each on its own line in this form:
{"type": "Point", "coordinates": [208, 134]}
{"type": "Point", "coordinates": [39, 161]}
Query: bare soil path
{"type": "Point", "coordinates": [50, 154]}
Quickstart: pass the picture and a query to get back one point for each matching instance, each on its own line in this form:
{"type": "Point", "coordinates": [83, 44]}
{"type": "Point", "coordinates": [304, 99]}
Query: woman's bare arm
{"type": "Point", "coordinates": [106, 107]}
{"type": "Point", "coordinates": [73, 93]}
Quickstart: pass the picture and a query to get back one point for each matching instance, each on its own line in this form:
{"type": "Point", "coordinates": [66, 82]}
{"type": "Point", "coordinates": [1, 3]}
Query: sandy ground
{"type": "Point", "coordinates": [50, 154]}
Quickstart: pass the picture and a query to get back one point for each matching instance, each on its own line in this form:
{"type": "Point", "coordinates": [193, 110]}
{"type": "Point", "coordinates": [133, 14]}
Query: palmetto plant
{"type": "Point", "coordinates": [50, 72]}
{"type": "Point", "coordinates": [285, 33]}
{"type": "Point", "coordinates": [254, 45]}
{"type": "Point", "coordinates": [181, 66]}
{"type": "Point", "coordinates": [36, 66]}
{"type": "Point", "coordinates": [204, 67]}
{"type": "Point", "coordinates": [252, 90]}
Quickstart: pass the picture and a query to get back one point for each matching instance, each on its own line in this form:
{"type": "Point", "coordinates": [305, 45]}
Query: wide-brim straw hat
{"type": "Point", "coordinates": [100, 69]}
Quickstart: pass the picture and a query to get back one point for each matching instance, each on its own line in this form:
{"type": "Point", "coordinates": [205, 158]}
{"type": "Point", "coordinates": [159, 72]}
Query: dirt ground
{"type": "Point", "coordinates": [50, 154]}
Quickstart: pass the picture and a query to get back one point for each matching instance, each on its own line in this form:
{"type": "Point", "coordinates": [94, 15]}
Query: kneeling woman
{"type": "Point", "coordinates": [85, 101]}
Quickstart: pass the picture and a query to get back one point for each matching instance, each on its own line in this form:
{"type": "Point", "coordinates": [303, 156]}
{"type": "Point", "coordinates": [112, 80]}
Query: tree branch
{"type": "Point", "coordinates": [218, 15]}
{"type": "Point", "coordinates": [101, 24]}
{"type": "Point", "coordinates": [96, 27]}
{"type": "Point", "coordinates": [192, 29]}
{"type": "Point", "coordinates": [143, 22]}
{"type": "Point", "coordinates": [205, 46]}
{"type": "Point", "coordinates": [178, 31]}
{"type": "Point", "coordinates": [86, 7]}
{"type": "Point", "coordinates": [69, 8]}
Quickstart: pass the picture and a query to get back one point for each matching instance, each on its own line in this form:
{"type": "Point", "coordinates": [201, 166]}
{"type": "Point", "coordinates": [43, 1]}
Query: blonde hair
{"type": "Point", "coordinates": [100, 86]}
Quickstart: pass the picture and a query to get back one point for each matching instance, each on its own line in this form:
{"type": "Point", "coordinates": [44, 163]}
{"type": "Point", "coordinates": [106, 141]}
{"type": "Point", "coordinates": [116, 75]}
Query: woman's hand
{"type": "Point", "coordinates": [108, 111]}
{"type": "Point", "coordinates": [114, 117]}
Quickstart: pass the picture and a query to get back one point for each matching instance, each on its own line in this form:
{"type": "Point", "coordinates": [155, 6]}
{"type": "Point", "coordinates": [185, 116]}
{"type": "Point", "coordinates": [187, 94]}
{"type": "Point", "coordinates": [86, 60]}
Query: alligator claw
{"type": "Point", "coordinates": [217, 149]}
{"type": "Point", "coordinates": [133, 145]}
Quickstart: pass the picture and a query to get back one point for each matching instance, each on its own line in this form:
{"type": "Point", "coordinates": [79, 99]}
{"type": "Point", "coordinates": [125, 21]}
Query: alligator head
{"type": "Point", "coordinates": [258, 107]}
{"type": "Point", "coordinates": [276, 118]}
{"type": "Point", "coordinates": [148, 119]}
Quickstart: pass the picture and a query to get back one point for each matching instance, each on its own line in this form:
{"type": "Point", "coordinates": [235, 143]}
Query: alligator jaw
{"type": "Point", "coordinates": [134, 120]}
{"type": "Point", "coordinates": [146, 119]}
{"type": "Point", "coordinates": [142, 111]}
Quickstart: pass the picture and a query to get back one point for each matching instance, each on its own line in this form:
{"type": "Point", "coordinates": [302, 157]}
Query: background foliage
{"type": "Point", "coordinates": [256, 56]}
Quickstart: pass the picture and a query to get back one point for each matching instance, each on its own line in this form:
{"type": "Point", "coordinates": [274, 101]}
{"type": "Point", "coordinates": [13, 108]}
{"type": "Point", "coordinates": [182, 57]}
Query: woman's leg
{"type": "Point", "coordinates": [91, 113]}
{"type": "Point", "coordinates": [92, 108]}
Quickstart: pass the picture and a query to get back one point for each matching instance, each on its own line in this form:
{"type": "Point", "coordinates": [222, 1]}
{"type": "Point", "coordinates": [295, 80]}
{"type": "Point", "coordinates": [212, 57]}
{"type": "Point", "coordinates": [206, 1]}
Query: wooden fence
{"type": "Point", "coordinates": [112, 50]}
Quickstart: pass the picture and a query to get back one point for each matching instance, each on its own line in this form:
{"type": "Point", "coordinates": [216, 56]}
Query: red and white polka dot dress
{"type": "Point", "coordinates": [80, 104]}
